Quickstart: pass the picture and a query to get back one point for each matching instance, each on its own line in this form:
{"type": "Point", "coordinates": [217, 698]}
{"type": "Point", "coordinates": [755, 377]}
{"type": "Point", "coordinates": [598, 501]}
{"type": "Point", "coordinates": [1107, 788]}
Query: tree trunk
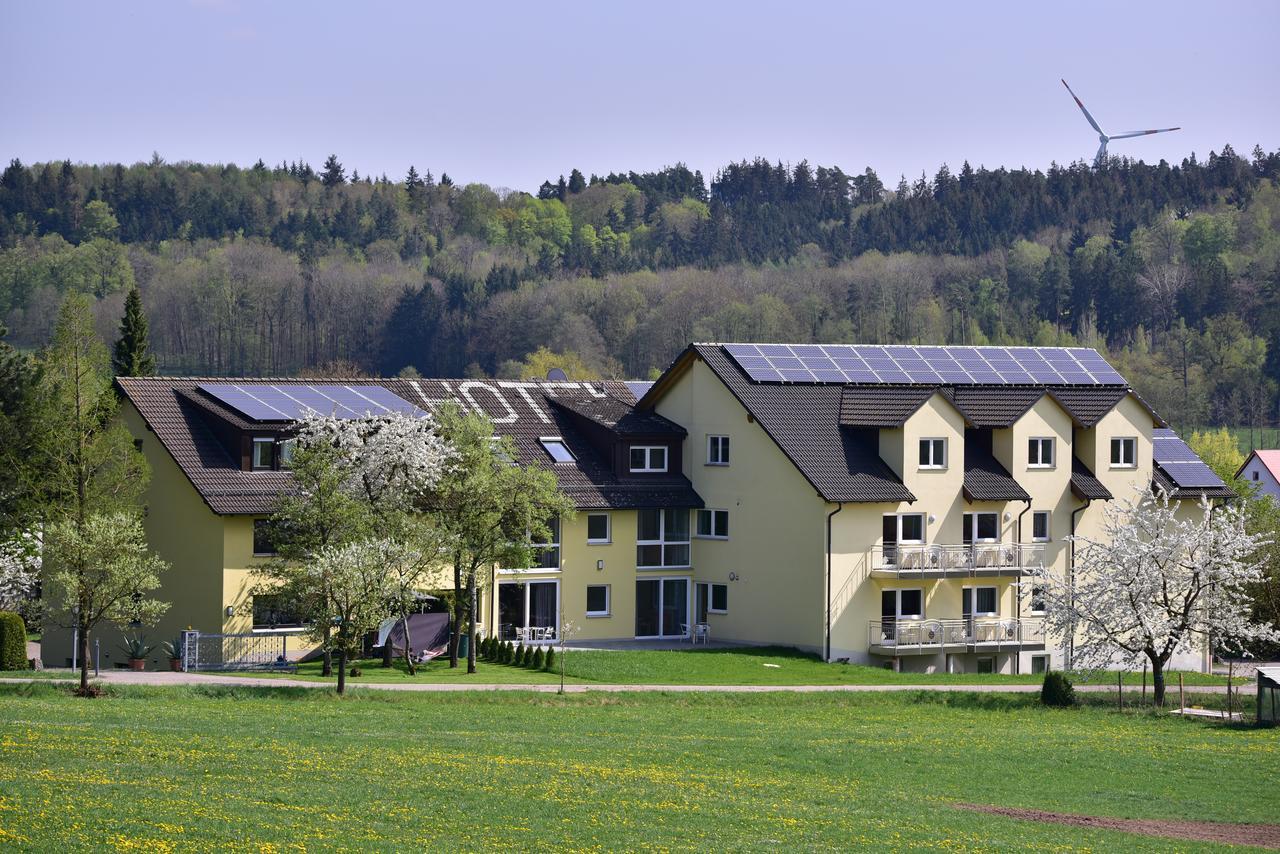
{"type": "Point", "coordinates": [342, 669]}
{"type": "Point", "coordinates": [327, 668]}
{"type": "Point", "coordinates": [408, 642]}
{"type": "Point", "coordinates": [458, 614]}
{"type": "Point", "coordinates": [84, 660]}
{"type": "Point", "coordinates": [1157, 679]}
{"type": "Point", "coordinates": [471, 623]}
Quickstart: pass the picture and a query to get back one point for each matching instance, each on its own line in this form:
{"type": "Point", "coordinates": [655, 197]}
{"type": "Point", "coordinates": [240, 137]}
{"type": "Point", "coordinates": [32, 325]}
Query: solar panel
{"type": "Point", "coordinates": [291, 402]}
{"type": "Point", "coordinates": [931, 365]}
{"type": "Point", "coordinates": [1180, 463]}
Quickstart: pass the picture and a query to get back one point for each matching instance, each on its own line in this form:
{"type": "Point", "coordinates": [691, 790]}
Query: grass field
{"type": "Point", "coordinates": [741, 666]}
{"type": "Point", "coordinates": [198, 769]}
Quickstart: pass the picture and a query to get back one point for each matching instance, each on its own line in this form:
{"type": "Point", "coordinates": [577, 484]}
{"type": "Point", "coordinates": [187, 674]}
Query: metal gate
{"type": "Point", "coordinates": [202, 651]}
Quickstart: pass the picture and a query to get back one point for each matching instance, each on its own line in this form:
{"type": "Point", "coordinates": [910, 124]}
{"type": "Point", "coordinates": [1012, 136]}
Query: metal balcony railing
{"type": "Point", "coordinates": [976, 559]}
{"type": "Point", "coordinates": [988, 632]}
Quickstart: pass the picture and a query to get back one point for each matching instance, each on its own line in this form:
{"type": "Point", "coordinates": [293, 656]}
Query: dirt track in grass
{"type": "Point", "coordinates": [1257, 835]}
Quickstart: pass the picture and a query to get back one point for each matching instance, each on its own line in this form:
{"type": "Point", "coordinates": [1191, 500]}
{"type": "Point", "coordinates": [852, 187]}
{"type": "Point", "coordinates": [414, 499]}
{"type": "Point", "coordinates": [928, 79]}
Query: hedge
{"type": "Point", "coordinates": [13, 642]}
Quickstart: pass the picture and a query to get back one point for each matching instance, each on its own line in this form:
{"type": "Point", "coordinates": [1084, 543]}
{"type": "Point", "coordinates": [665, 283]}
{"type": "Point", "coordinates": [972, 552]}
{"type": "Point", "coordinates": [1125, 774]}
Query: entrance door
{"type": "Point", "coordinates": [662, 607]}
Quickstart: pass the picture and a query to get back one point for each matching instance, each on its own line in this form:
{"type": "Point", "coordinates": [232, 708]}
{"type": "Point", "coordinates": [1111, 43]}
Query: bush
{"type": "Point", "coordinates": [508, 652]}
{"type": "Point", "coordinates": [551, 659]}
{"type": "Point", "coordinates": [518, 658]}
{"type": "Point", "coordinates": [1057, 690]}
{"type": "Point", "coordinates": [539, 661]}
{"type": "Point", "coordinates": [13, 642]}
{"type": "Point", "coordinates": [482, 649]}
{"type": "Point", "coordinates": [490, 648]}
{"type": "Point", "coordinates": [527, 658]}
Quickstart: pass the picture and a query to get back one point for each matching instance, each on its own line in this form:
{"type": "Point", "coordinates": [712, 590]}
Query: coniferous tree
{"type": "Point", "coordinates": [333, 175]}
{"type": "Point", "coordinates": [131, 357]}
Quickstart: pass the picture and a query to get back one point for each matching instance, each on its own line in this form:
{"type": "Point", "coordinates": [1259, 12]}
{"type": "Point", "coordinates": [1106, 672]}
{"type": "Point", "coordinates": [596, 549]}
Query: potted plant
{"type": "Point", "coordinates": [173, 649]}
{"type": "Point", "coordinates": [135, 647]}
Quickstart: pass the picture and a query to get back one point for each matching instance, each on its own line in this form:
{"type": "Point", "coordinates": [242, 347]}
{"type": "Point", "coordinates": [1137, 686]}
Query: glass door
{"type": "Point", "coordinates": [662, 607]}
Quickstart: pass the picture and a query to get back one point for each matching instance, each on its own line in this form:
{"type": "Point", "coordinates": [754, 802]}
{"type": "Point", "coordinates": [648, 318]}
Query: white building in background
{"type": "Point", "coordinates": [1262, 469]}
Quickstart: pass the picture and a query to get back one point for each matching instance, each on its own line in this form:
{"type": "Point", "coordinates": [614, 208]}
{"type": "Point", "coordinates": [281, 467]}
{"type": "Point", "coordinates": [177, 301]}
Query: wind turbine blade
{"type": "Point", "coordinates": [1080, 104]}
{"type": "Point", "coordinates": [1101, 155]}
{"type": "Point", "coordinates": [1130, 133]}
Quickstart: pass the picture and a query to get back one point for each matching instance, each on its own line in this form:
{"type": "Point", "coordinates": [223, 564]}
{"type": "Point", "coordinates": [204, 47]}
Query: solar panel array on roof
{"type": "Point", "coordinates": [903, 364]}
{"type": "Point", "coordinates": [288, 402]}
{"type": "Point", "coordinates": [1180, 463]}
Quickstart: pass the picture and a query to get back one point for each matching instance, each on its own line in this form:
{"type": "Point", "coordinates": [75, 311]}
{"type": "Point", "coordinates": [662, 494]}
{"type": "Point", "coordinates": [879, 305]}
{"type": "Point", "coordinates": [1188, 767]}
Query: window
{"type": "Point", "coordinates": [1037, 600]}
{"type": "Point", "coordinates": [285, 449]}
{"type": "Point", "coordinates": [1040, 526]}
{"type": "Point", "coordinates": [597, 600]}
{"type": "Point", "coordinates": [528, 610]}
{"type": "Point", "coordinates": [986, 664]}
{"type": "Point", "coordinates": [902, 604]}
{"type": "Point", "coordinates": [264, 537]}
{"type": "Point", "coordinates": [1039, 664]}
{"type": "Point", "coordinates": [662, 538]}
{"type": "Point", "coordinates": [904, 528]}
{"type": "Point", "coordinates": [274, 611]}
{"type": "Point", "coordinates": [710, 599]}
{"type": "Point", "coordinates": [1255, 475]}
{"type": "Point", "coordinates": [978, 602]}
{"type": "Point", "coordinates": [264, 453]}
{"type": "Point", "coordinates": [981, 528]}
{"type": "Point", "coordinates": [648, 458]}
{"type": "Point", "coordinates": [717, 450]}
{"type": "Point", "coordinates": [1124, 453]}
{"type": "Point", "coordinates": [1040, 453]}
{"type": "Point", "coordinates": [556, 447]}
{"type": "Point", "coordinates": [598, 528]}
{"type": "Point", "coordinates": [713, 524]}
{"type": "Point", "coordinates": [933, 453]}
{"type": "Point", "coordinates": [547, 555]}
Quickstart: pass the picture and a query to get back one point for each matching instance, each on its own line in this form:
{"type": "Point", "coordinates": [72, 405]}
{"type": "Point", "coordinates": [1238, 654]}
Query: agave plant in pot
{"type": "Point", "coordinates": [135, 647]}
{"type": "Point", "coordinates": [173, 649]}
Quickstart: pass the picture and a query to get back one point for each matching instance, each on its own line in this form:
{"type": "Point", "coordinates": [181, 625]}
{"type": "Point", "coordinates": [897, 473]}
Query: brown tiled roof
{"type": "Point", "coordinates": [985, 479]}
{"type": "Point", "coordinates": [619, 416]}
{"type": "Point", "coordinates": [181, 417]}
{"type": "Point", "coordinates": [881, 406]}
{"type": "Point", "coordinates": [1085, 485]}
{"type": "Point", "coordinates": [987, 406]}
{"type": "Point", "coordinates": [1087, 404]}
{"type": "Point", "coordinates": [842, 463]}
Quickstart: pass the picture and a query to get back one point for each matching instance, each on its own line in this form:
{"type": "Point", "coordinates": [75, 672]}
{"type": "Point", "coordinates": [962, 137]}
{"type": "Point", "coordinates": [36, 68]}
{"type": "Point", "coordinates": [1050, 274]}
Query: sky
{"type": "Point", "coordinates": [510, 94]}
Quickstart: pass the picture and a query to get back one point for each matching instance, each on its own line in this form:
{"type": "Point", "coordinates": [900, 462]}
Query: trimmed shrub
{"type": "Point", "coordinates": [508, 652]}
{"type": "Point", "coordinates": [492, 652]}
{"type": "Point", "coordinates": [1057, 690]}
{"type": "Point", "coordinates": [482, 650]}
{"type": "Point", "coordinates": [13, 642]}
{"type": "Point", "coordinates": [527, 659]}
{"type": "Point", "coordinates": [539, 660]}
{"type": "Point", "coordinates": [551, 659]}
{"type": "Point", "coordinates": [518, 658]}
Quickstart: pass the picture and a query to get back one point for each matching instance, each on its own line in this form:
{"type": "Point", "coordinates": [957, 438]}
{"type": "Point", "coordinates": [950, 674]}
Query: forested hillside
{"type": "Point", "coordinates": [1173, 269]}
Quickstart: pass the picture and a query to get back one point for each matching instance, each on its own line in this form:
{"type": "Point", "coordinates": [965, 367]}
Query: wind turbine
{"type": "Point", "coordinates": [1103, 137]}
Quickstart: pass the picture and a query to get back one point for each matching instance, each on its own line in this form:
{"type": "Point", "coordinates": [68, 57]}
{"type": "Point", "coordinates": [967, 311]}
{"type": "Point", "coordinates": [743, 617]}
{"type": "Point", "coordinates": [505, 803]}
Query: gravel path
{"type": "Point", "coordinates": [126, 677]}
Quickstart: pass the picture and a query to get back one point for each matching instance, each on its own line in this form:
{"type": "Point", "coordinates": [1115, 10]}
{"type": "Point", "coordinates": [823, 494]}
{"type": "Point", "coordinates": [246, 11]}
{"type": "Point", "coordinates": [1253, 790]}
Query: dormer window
{"type": "Point", "coordinates": [264, 453]}
{"type": "Point", "coordinates": [933, 453]}
{"type": "Point", "coordinates": [1124, 453]}
{"type": "Point", "coordinates": [648, 458]}
{"type": "Point", "coordinates": [555, 446]}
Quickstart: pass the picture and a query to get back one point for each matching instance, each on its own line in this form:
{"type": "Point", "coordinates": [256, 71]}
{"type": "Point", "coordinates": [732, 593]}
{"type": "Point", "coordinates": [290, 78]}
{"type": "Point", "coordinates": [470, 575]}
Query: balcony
{"type": "Point", "coordinates": [918, 637]}
{"type": "Point", "coordinates": [945, 561]}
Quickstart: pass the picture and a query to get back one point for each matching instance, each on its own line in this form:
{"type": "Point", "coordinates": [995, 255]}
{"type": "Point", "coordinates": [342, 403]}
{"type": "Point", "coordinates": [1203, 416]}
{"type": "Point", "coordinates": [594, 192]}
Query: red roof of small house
{"type": "Point", "coordinates": [1269, 458]}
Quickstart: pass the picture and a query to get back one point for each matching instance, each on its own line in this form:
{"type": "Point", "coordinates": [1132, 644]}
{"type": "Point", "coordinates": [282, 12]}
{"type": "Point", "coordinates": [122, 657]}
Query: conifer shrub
{"type": "Point", "coordinates": [13, 642]}
{"type": "Point", "coordinates": [518, 658]}
{"type": "Point", "coordinates": [1057, 690]}
{"type": "Point", "coordinates": [551, 658]}
{"type": "Point", "coordinates": [527, 658]}
{"type": "Point", "coordinates": [508, 652]}
{"type": "Point", "coordinates": [539, 660]}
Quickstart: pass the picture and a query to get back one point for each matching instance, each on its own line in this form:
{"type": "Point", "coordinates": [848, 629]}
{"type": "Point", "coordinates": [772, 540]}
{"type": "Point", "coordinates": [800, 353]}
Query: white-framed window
{"type": "Point", "coordinates": [1040, 453]}
{"type": "Point", "coordinates": [710, 598]}
{"type": "Point", "coordinates": [933, 453]}
{"type": "Point", "coordinates": [1039, 664]}
{"type": "Point", "coordinates": [1037, 600]}
{"type": "Point", "coordinates": [662, 538]}
{"type": "Point", "coordinates": [902, 603]}
{"type": "Point", "coordinates": [717, 450]}
{"type": "Point", "coordinates": [1040, 526]}
{"type": "Point", "coordinates": [904, 528]}
{"type": "Point", "coordinates": [1124, 452]}
{"type": "Point", "coordinates": [979, 602]}
{"type": "Point", "coordinates": [713, 524]}
{"type": "Point", "coordinates": [598, 600]}
{"type": "Point", "coordinates": [525, 605]}
{"type": "Point", "coordinates": [547, 555]}
{"type": "Point", "coordinates": [981, 528]}
{"type": "Point", "coordinates": [264, 453]}
{"type": "Point", "coordinates": [599, 529]}
{"type": "Point", "coordinates": [556, 449]}
{"type": "Point", "coordinates": [648, 458]}
{"type": "Point", "coordinates": [986, 664]}
{"type": "Point", "coordinates": [284, 451]}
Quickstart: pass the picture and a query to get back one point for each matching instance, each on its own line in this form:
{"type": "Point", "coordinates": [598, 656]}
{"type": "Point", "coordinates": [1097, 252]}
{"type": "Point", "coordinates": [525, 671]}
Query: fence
{"type": "Point", "coordinates": [259, 651]}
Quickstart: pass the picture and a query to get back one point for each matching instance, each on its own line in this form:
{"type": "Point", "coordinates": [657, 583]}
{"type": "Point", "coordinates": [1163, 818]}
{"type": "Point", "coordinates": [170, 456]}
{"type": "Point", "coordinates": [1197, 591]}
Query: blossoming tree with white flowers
{"type": "Point", "coordinates": [1156, 583]}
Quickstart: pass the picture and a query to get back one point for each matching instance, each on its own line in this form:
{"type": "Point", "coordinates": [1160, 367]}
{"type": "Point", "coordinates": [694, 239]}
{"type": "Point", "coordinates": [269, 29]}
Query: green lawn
{"type": "Point", "coordinates": [215, 768]}
{"type": "Point", "coordinates": [745, 666]}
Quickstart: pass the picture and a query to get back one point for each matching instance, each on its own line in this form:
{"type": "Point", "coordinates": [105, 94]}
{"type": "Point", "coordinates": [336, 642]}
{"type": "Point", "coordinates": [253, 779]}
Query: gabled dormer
{"type": "Point", "coordinates": [639, 444]}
